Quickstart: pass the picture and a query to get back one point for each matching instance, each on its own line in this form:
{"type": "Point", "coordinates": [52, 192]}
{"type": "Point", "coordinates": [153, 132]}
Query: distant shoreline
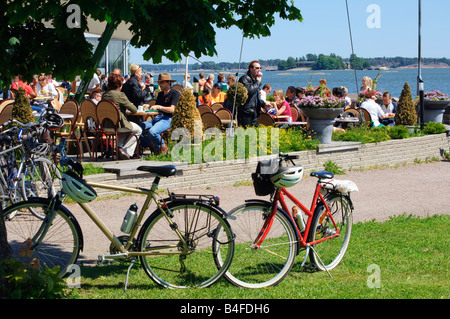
{"type": "Point", "coordinates": [206, 71]}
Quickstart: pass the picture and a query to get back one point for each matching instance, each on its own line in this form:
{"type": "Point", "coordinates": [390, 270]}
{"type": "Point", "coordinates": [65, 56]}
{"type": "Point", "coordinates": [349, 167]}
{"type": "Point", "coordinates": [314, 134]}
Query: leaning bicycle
{"type": "Point", "coordinates": [176, 244]}
{"type": "Point", "coordinates": [26, 168]}
{"type": "Point", "coordinates": [269, 234]}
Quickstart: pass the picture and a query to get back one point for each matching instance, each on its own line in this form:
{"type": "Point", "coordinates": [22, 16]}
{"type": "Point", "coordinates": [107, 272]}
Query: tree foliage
{"type": "Point", "coordinates": [167, 28]}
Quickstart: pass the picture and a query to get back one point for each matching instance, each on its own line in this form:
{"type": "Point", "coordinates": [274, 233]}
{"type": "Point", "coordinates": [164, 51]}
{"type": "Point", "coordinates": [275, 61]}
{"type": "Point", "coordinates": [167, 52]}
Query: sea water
{"type": "Point", "coordinates": [391, 80]}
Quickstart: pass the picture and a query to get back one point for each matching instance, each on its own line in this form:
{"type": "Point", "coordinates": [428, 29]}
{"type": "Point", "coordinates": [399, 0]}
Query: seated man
{"type": "Point", "coordinates": [166, 102]}
{"type": "Point", "coordinates": [375, 111]}
{"type": "Point", "coordinates": [133, 89]}
{"type": "Point", "coordinates": [388, 106]}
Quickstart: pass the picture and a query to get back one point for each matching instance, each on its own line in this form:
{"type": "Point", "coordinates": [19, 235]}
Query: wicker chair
{"type": "Point", "coordinates": [216, 106]}
{"type": "Point", "coordinates": [69, 130]}
{"type": "Point", "coordinates": [204, 109]}
{"type": "Point", "coordinates": [210, 119]}
{"type": "Point", "coordinates": [6, 111]}
{"type": "Point", "coordinates": [108, 118]}
{"type": "Point", "coordinates": [265, 120]}
{"type": "Point", "coordinates": [91, 127]}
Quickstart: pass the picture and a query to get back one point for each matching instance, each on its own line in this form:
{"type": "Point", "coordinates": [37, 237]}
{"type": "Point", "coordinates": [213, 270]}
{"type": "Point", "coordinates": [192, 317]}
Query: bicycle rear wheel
{"type": "Point", "coordinates": [59, 247]}
{"type": "Point", "coordinates": [267, 265]}
{"type": "Point", "coordinates": [192, 265]}
{"type": "Point", "coordinates": [329, 253]}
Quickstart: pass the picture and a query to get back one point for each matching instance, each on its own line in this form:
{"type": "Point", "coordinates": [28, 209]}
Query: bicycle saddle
{"type": "Point", "coordinates": [166, 170]}
{"type": "Point", "coordinates": [322, 174]}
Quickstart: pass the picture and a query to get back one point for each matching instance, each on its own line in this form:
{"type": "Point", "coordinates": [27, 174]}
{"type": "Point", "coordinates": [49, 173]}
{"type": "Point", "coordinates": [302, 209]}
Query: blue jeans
{"type": "Point", "coordinates": [151, 130]}
{"type": "Point", "coordinates": [38, 108]}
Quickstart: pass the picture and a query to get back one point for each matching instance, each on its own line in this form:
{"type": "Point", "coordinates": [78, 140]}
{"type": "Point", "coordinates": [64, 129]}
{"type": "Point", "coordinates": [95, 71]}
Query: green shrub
{"type": "Point", "coordinates": [406, 110]}
{"type": "Point", "coordinates": [332, 167]}
{"type": "Point", "coordinates": [21, 110]}
{"type": "Point", "coordinates": [186, 114]}
{"type": "Point", "coordinates": [434, 128]}
{"type": "Point", "coordinates": [19, 281]}
{"type": "Point", "coordinates": [363, 134]}
{"type": "Point", "coordinates": [398, 132]}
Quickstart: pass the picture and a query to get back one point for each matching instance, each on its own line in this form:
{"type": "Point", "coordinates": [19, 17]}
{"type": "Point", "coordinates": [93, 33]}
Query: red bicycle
{"type": "Point", "coordinates": [269, 235]}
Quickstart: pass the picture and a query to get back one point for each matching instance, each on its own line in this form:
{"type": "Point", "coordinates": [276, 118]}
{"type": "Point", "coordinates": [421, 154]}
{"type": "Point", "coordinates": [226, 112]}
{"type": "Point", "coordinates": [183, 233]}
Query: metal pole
{"type": "Point", "coordinates": [98, 53]}
{"type": "Point", "coordinates": [186, 72]}
{"type": "Point", "coordinates": [420, 85]}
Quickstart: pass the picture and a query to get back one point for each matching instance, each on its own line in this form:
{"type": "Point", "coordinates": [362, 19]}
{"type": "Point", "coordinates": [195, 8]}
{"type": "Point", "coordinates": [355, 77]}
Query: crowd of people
{"type": "Point", "coordinates": [134, 90]}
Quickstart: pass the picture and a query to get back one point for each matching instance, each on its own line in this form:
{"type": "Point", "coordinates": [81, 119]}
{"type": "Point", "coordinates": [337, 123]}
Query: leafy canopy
{"type": "Point", "coordinates": [167, 28]}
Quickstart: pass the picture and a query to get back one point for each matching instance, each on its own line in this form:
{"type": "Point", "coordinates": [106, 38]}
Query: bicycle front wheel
{"type": "Point", "coordinates": [59, 247]}
{"type": "Point", "coordinates": [329, 253]}
{"type": "Point", "coordinates": [184, 245]}
{"type": "Point", "coordinates": [268, 264]}
{"type": "Point", "coordinates": [38, 180]}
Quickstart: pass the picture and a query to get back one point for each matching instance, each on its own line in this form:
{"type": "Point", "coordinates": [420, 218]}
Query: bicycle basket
{"type": "Point", "coordinates": [261, 178]}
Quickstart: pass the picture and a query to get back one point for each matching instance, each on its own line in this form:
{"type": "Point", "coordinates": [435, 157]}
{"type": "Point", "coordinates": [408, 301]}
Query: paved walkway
{"type": "Point", "coordinates": [418, 189]}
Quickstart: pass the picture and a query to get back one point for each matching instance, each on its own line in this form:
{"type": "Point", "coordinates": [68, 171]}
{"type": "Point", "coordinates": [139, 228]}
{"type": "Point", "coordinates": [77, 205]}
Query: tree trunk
{"type": "Point", "coordinates": [5, 249]}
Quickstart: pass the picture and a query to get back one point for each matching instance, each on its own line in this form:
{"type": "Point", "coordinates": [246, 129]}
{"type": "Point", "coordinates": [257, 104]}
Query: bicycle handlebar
{"type": "Point", "coordinates": [287, 157]}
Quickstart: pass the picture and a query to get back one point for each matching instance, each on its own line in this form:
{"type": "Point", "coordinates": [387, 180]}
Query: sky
{"type": "Point", "coordinates": [380, 28]}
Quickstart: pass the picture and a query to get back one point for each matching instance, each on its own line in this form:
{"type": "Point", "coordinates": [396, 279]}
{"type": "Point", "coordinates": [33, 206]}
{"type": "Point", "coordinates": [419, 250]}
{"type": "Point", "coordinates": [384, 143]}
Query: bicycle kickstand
{"type": "Point", "coordinates": [133, 260]}
{"type": "Point", "coordinates": [308, 247]}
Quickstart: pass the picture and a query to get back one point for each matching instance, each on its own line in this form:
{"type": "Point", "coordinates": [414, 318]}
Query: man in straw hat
{"type": "Point", "coordinates": [133, 89]}
{"type": "Point", "coordinates": [166, 102]}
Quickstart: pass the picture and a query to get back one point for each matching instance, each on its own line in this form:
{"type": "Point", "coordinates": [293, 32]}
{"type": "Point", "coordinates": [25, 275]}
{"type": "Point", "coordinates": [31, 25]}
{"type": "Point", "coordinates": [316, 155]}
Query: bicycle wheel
{"type": "Point", "coordinates": [190, 265]}
{"type": "Point", "coordinates": [272, 261]}
{"type": "Point", "coordinates": [38, 180]}
{"type": "Point", "coordinates": [60, 245]}
{"type": "Point", "coordinates": [331, 251]}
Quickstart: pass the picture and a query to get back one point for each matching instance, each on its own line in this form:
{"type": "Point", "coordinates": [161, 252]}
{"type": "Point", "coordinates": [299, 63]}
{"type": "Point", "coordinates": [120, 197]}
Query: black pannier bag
{"type": "Point", "coordinates": [261, 178]}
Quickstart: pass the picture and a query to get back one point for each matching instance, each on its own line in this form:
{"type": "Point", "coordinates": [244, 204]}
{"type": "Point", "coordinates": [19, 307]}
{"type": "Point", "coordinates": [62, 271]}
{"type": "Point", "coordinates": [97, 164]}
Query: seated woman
{"type": "Point", "coordinates": [282, 106]}
{"type": "Point", "coordinates": [43, 88]}
{"type": "Point", "coordinates": [127, 142]}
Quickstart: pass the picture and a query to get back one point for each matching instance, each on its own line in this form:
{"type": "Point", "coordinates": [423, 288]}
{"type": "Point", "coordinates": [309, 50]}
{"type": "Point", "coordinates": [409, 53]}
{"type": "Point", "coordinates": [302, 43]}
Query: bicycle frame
{"type": "Point", "coordinates": [110, 235]}
{"type": "Point", "coordinates": [279, 198]}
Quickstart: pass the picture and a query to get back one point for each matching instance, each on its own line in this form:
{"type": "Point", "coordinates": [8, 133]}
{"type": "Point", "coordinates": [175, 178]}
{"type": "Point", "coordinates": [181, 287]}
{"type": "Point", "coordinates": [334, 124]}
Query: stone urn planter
{"type": "Point", "coordinates": [433, 111]}
{"type": "Point", "coordinates": [321, 121]}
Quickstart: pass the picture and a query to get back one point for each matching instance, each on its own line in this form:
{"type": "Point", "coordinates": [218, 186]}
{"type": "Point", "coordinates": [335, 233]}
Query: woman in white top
{"type": "Point", "coordinates": [374, 109]}
{"type": "Point", "coordinates": [43, 88]}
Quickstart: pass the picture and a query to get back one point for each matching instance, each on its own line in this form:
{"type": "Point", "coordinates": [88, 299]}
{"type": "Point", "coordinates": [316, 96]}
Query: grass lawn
{"type": "Point", "coordinates": [403, 258]}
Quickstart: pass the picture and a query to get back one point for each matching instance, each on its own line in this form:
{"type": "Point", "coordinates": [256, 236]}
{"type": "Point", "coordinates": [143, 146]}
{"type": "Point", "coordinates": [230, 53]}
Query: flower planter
{"type": "Point", "coordinates": [321, 122]}
{"type": "Point", "coordinates": [434, 110]}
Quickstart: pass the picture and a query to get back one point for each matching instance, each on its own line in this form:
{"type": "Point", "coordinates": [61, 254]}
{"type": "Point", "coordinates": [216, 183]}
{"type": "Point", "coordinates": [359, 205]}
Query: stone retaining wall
{"type": "Point", "coordinates": [355, 156]}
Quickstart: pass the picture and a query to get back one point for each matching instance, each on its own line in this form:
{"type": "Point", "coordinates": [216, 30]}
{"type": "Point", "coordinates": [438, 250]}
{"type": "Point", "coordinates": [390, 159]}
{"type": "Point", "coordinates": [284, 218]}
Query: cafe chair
{"type": "Point", "coordinates": [108, 118]}
{"type": "Point", "coordinates": [177, 87]}
{"type": "Point", "coordinates": [210, 119]}
{"type": "Point", "coordinates": [69, 129]}
{"type": "Point", "coordinates": [6, 111]}
{"type": "Point", "coordinates": [223, 114]}
{"type": "Point", "coordinates": [90, 129]}
{"type": "Point", "coordinates": [294, 113]}
{"type": "Point", "coordinates": [365, 116]}
{"type": "Point", "coordinates": [265, 120]}
{"type": "Point", "coordinates": [216, 106]}
{"type": "Point", "coordinates": [204, 109]}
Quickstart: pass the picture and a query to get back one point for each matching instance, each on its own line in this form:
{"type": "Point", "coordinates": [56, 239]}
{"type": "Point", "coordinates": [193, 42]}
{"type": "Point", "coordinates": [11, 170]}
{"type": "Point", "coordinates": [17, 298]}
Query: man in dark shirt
{"type": "Point", "coordinates": [133, 89]}
{"type": "Point", "coordinates": [249, 112]}
{"type": "Point", "coordinates": [166, 102]}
